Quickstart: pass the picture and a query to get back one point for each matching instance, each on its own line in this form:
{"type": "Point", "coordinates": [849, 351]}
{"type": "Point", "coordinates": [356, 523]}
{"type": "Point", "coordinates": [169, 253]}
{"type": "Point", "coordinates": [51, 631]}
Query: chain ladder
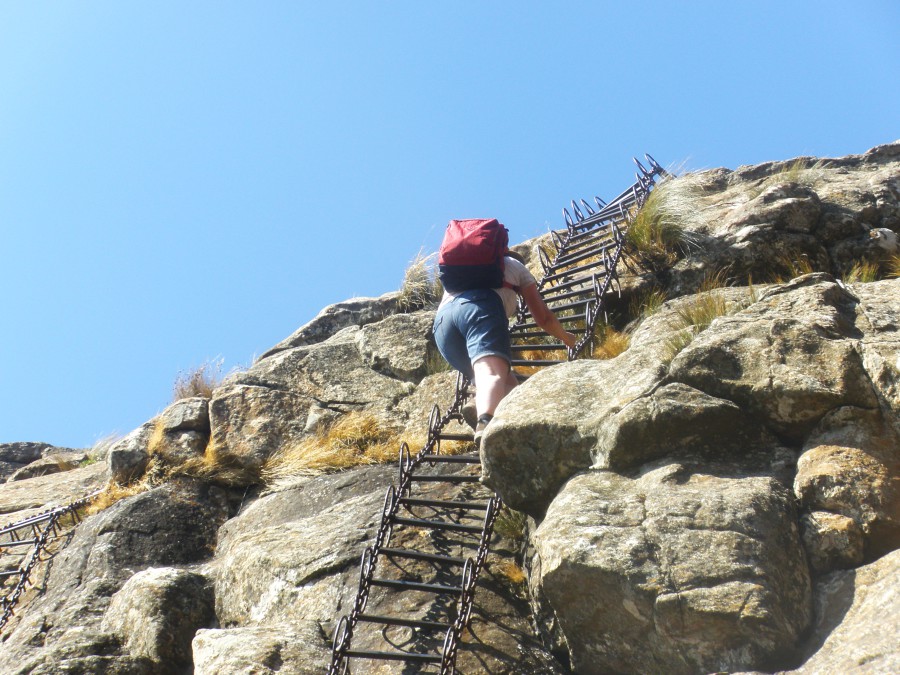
{"type": "Point", "coordinates": [43, 528]}
{"type": "Point", "coordinates": [583, 242]}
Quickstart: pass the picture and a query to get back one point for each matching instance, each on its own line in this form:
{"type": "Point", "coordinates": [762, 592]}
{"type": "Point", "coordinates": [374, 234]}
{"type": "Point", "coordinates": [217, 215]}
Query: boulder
{"type": "Point", "coordinates": [831, 541]}
{"type": "Point", "coordinates": [788, 359]}
{"type": "Point", "coordinates": [127, 459]}
{"type": "Point", "coordinates": [353, 312]}
{"type": "Point", "coordinates": [285, 572]}
{"type": "Point", "coordinates": [694, 422]}
{"type": "Point", "coordinates": [61, 630]}
{"type": "Point", "coordinates": [55, 463]}
{"type": "Point", "coordinates": [23, 498]}
{"type": "Point", "coordinates": [14, 456]}
{"type": "Point", "coordinates": [398, 345]}
{"type": "Point", "coordinates": [188, 414]}
{"type": "Point", "coordinates": [851, 466]}
{"type": "Point", "coordinates": [879, 322]}
{"type": "Point", "coordinates": [857, 621]}
{"type": "Point", "coordinates": [546, 430]}
{"type": "Point", "coordinates": [675, 570]}
{"type": "Point", "coordinates": [269, 406]}
{"type": "Point", "coordinates": [22, 452]}
{"type": "Point", "coordinates": [297, 648]}
{"type": "Point", "coordinates": [250, 423]}
{"type": "Point", "coordinates": [156, 613]}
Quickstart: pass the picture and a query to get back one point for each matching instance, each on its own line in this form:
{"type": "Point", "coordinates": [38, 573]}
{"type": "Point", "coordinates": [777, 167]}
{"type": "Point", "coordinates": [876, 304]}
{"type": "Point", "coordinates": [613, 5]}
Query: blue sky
{"type": "Point", "coordinates": [184, 182]}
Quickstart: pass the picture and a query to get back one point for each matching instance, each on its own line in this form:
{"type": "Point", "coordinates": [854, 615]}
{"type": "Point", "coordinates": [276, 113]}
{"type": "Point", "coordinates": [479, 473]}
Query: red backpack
{"type": "Point", "coordinates": [471, 255]}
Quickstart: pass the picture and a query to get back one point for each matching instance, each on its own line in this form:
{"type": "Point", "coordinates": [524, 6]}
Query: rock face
{"type": "Point", "coordinates": [674, 571]}
{"type": "Point", "coordinates": [777, 398]}
{"type": "Point", "coordinates": [722, 496]}
{"type": "Point", "coordinates": [278, 401]}
{"type": "Point", "coordinates": [63, 629]}
{"type": "Point", "coordinates": [857, 620]}
{"type": "Point", "coordinates": [156, 613]}
{"type": "Point", "coordinates": [14, 457]}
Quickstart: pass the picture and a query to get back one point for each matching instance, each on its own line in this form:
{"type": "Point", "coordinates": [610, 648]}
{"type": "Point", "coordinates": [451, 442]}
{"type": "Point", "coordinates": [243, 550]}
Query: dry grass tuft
{"type": "Point", "coordinates": [218, 467]}
{"type": "Point", "coordinates": [862, 272]}
{"type": "Point", "coordinates": [510, 571]}
{"type": "Point", "coordinates": [696, 314]}
{"type": "Point", "coordinates": [421, 287]}
{"type": "Point", "coordinates": [607, 342]}
{"type": "Point", "coordinates": [647, 303]}
{"type": "Point", "coordinates": [802, 171]}
{"type": "Point", "coordinates": [100, 449]}
{"type": "Point", "coordinates": [354, 439]}
{"type": "Point", "coordinates": [893, 266]}
{"type": "Point", "coordinates": [198, 382]}
{"type": "Point", "coordinates": [791, 265]}
{"type": "Point", "coordinates": [113, 493]}
{"type": "Point", "coordinates": [657, 236]}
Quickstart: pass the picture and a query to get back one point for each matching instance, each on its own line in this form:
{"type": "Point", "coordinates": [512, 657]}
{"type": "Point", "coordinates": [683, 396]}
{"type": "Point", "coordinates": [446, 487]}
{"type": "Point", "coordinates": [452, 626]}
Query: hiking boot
{"type": "Point", "coordinates": [483, 421]}
{"type": "Point", "coordinates": [470, 415]}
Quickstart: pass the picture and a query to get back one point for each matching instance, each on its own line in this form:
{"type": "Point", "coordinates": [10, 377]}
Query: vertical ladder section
{"type": "Point", "coordinates": [437, 523]}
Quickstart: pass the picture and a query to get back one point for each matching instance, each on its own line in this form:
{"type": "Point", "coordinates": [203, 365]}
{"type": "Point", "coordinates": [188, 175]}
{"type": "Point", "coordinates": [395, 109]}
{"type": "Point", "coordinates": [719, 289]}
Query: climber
{"type": "Point", "coordinates": [471, 327]}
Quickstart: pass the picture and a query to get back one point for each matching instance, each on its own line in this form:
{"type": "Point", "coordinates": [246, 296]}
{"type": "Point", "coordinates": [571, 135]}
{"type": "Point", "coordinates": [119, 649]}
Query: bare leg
{"type": "Point", "coordinates": [493, 381]}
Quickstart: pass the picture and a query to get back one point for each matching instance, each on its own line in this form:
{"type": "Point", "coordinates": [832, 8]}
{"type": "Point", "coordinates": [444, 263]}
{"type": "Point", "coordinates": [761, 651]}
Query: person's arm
{"type": "Point", "coordinates": [544, 317]}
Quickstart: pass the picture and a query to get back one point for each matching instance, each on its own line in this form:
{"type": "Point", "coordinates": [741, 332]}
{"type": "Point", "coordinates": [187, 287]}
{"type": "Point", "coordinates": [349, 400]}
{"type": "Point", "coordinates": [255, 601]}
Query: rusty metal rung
{"type": "Point", "coordinates": [417, 586]}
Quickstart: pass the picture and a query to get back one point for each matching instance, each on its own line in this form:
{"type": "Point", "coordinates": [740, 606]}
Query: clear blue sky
{"type": "Point", "coordinates": [186, 181]}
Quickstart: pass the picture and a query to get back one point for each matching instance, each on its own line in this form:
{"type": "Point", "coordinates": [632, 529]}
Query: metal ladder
{"type": "Point", "coordinates": [437, 523]}
{"type": "Point", "coordinates": [22, 545]}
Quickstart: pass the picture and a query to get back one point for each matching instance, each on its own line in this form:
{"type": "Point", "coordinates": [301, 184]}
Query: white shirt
{"type": "Point", "coordinates": [514, 273]}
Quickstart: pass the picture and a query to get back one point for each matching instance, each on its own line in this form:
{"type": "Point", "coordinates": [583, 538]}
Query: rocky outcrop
{"type": "Point", "coordinates": [354, 312]}
{"type": "Point", "coordinates": [63, 629]}
{"type": "Point", "coordinates": [156, 613]}
{"type": "Point", "coordinates": [719, 497]}
{"type": "Point", "coordinates": [758, 221]}
{"type": "Point", "coordinates": [20, 499]}
{"type": "Point", "coordinates": [857, 621]}
{"type": "Point", "coordinates": [55, 463]}
{"type": "Point", "coordinates": [15, 457]}
{"type": "Point", "coordinates": [282, 397]}
{"type": "Point", "coordinates": [678, 570]}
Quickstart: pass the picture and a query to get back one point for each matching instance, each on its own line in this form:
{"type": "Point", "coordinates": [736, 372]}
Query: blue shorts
{"type": "Point", "coordinates": [471, 326]}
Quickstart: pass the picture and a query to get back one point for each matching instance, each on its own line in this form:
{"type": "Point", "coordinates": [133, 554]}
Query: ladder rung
{"type": "Point", "coordinates": [438, 525]}
{"type": "Point", "coordinates": [586, 237]}
{"type": "Point", "coordinates": [584, 254]}
{"type": "Point", "coordinates": [419, 555]}
{"type": "Point", "coordinates": [393, 656]}
{"type": "Point", "coordinates": [397, 621]}
{"type": "Point", "coordinates": [417, 586]}
{"type": "Point", "coordinates": [428, 478]}
{"type": "Point", "coordinates": [571, 294]}
{"type": "Point", "coordinates": [444, 504]}
{"type": "Point", "coordinates": [562, 319]}
{"type": "Point", "coordinates": [579, 281]}
{"type": "Point", "coordinates": [454, 459]}
{"type": "Point", "coordinates": [570, 305]}
{"type": "Point", "coordinates": [455, 437]}
{"type": "Point", "coordinates": [21, 542]}
{"type": "Point", "coordinates": [571, 271]}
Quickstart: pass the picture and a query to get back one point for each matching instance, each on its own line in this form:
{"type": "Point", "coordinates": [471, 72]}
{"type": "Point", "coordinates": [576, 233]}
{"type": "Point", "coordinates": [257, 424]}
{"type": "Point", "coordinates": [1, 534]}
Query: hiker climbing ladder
{"type": "Point", "coordinates": [437, 523]}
